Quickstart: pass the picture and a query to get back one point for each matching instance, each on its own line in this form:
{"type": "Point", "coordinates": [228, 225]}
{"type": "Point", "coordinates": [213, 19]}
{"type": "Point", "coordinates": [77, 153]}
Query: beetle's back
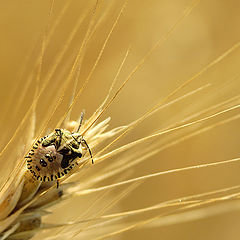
{"type": "Point", "coordinates": [45, 162]}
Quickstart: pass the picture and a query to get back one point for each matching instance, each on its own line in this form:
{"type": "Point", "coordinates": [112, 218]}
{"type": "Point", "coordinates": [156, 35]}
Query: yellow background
{"type": "Point", "coordinates": [211, 29]}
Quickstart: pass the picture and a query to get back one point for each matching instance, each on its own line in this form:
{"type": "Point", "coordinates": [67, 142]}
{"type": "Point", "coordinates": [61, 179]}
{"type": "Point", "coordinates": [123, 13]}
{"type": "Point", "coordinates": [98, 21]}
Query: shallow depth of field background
{"type": "Point", "coordinates": [210, 29]}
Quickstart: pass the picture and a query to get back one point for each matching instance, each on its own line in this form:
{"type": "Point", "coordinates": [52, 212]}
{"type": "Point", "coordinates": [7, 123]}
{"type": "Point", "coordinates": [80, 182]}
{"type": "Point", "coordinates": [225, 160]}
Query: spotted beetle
{"type": "Point", "coordinates": [53, 156]}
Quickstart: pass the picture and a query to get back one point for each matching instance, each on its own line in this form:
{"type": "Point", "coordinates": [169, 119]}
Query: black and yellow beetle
{"type": "Point", "coordinates": [53, 156]}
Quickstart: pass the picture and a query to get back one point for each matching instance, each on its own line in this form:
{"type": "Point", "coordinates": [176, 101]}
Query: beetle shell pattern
{"type": "Point", "coordinates": [45, 162]}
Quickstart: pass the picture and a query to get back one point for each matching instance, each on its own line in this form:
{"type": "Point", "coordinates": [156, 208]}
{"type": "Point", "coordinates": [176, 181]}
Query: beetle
{"type": "Point", "coordinates": [53, 156]}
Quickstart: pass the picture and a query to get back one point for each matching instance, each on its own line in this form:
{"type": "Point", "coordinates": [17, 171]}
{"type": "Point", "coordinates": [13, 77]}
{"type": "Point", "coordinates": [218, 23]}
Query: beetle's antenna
{"type": "Point", "coordinates": [81, 120]}
{"type": "Point", "coordinates": [89, 150]}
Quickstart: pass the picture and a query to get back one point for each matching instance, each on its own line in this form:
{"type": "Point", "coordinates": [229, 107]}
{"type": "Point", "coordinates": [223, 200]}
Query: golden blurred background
{"type": "Point", "coordinates": [206, 33]}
